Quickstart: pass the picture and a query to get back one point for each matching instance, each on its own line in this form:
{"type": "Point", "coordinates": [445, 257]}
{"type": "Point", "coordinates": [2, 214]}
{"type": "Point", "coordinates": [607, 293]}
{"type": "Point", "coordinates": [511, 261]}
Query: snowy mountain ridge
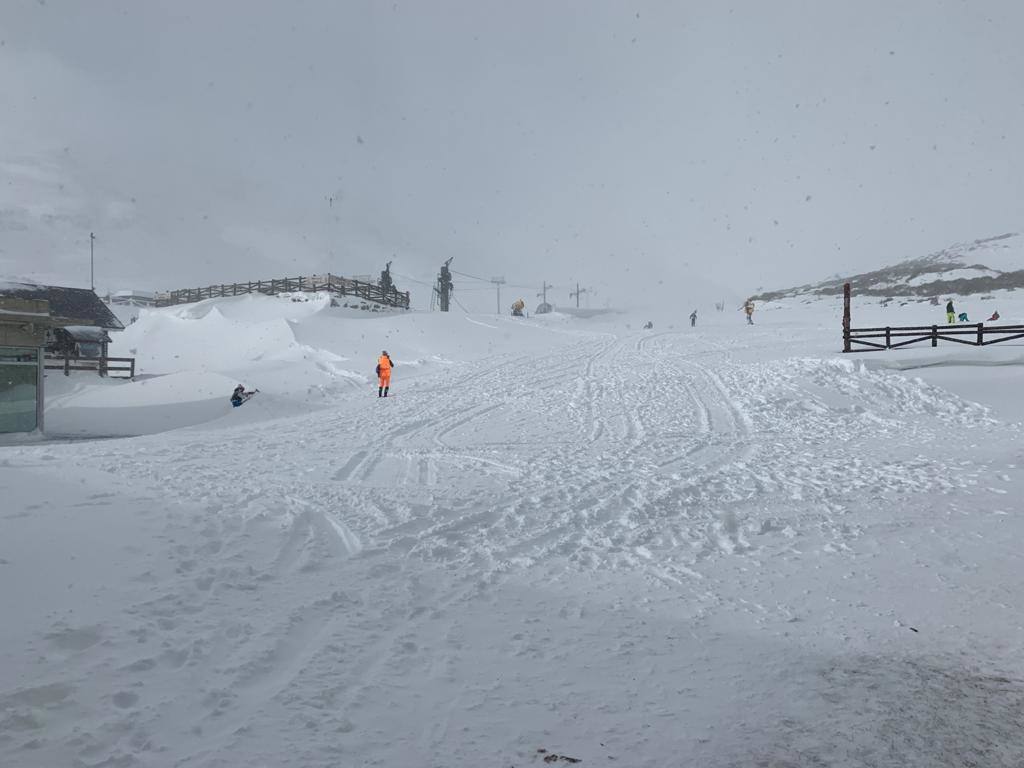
{"type": "Point", "coordinates": [962, 269]}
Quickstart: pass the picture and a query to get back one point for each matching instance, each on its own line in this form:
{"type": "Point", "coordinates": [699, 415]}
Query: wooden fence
{"type": "Point", "coordinates": [975, 334]}
{"type": "Point", "coordinates": [340, 286]}
{"type": "Point", "coordinates": [117, 367]}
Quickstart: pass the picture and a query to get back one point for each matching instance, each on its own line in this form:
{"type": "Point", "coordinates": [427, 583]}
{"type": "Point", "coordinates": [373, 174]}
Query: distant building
{"type": "Point", "coordinates": [132, 298]}
{"type": "Point", "coordinates": [32, 318]}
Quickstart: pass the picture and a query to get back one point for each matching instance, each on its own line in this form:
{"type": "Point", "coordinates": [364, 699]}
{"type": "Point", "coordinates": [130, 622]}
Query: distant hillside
{"type": "Point", "coordinates": [964, 269]}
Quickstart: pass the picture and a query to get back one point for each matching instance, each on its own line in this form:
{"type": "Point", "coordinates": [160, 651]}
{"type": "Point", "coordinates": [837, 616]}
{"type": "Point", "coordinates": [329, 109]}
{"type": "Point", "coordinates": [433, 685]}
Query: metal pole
{"type": "Point", "coordinates": [40, 388]}
{"type": "Point", "coordinates": [498, 282]}
{"type": "Point", "coordinates": [577, 294]}
{"type": "Point", "coordinates": [92, 261]}
{"type": "Point", "coordinates": [846, 318]}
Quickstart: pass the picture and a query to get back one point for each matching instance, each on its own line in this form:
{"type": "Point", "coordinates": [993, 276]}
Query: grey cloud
{"type": "Point", "coordinates": [617, 144]}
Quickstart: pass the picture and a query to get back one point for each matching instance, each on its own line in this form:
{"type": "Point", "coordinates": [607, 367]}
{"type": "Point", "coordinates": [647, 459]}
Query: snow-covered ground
{"type": "Point", "coordinates": [721, 546]}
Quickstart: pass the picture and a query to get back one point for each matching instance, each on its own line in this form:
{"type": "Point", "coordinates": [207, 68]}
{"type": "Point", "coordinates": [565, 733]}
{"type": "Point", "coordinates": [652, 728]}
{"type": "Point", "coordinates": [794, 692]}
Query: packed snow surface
{"type": "Point", "coordinates": [720, 546]}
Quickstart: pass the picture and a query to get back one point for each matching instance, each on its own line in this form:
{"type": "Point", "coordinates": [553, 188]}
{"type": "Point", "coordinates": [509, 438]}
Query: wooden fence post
{"type": "Point", "coordinates": [981, 334]}
{"type": "Point", "coordinates": [846, 316]}
{"type": "Point", "coordinates": [888, 337]}
{"type": "Point", "coordinates": [935, 335]}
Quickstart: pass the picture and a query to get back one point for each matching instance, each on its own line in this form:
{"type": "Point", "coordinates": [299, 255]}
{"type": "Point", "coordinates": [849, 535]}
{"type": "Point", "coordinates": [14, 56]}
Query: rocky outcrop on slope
{"type": "Point", "coordinates": [964, 269]}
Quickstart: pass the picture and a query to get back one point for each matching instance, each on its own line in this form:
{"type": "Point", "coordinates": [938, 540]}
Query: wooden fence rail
{"type": "Point", "coordinates": [975, 334]}
{"type": "Point", "coordinates": [104, 366]}
{"type": "Point", "coordinates": [314, 283]}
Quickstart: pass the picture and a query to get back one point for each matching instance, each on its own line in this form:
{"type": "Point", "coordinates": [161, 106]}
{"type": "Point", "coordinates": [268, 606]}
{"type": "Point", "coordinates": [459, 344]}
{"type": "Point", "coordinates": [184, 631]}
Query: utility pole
{"type": "Point", "coordinates": [92, 261]}
{"type": "Point", "coordinates": [577, 293]}
{"type": "Point", "coordinates": [498, 282]}
{"type": "Point", "coordinates": [544, 292]}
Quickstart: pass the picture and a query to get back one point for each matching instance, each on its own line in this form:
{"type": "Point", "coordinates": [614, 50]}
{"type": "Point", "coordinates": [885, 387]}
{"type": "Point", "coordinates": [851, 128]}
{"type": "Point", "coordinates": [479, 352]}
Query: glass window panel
{"type": "Point", "coordinates": [18, 355]}
{"type": "Point", "coordinates": [18, 392]}
{"type": "Point", "coordinates": [89, 349]}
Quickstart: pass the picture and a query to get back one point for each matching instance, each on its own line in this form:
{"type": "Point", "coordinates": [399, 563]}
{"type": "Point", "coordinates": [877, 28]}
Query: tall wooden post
{"type": "Point", "coordinates": [846, 317]}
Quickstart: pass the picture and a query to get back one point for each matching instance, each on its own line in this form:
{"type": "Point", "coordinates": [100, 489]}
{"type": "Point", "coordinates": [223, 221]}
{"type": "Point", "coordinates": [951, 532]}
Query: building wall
{"type": "Point", "coordinates": [23, 322]}
{"type": "Point", "coordinates": [15, 335]}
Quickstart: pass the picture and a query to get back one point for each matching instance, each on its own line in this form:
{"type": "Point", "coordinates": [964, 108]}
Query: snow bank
{"type": "Point", "coordinates": [157, 404]}
{"type": "Point", "coordinates": [728, 524]}
{"type": "Point", "coordinates": [299, 350]}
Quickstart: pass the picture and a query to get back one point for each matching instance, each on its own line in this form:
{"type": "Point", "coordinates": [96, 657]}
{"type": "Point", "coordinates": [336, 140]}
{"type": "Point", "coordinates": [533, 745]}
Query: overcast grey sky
{"type": "Point", "coordinates": [742, 144]}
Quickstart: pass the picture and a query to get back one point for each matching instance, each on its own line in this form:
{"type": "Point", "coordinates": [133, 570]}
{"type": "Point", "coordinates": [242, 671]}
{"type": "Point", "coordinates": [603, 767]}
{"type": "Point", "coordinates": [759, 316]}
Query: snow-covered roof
{"type": "Point", "coordinates": [80, 306]}
{"type": "Point", "coordinates": [86, 333]}
{"type": "Point", "coordinates": [10, 286]}
{"type": "Point", "coordinates": [19, 313]}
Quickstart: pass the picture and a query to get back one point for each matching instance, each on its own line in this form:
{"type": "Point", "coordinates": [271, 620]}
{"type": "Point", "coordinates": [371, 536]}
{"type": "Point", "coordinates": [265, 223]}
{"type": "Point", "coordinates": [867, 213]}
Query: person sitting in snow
{"type": "Point", "coordinates": [963, 317]}
{"type": "Point", "coordinates": [995, 316]}
{"type": "Point", "coordinates": [239, 396]}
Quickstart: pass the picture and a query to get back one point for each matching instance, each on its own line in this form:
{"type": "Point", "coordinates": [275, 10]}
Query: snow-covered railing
{"type": "Point", "coordinates": [116, 367]}
{"type": "Point", "coordinates": [335, 284]}
{"type": "Point", "coordinates": [975, 335]}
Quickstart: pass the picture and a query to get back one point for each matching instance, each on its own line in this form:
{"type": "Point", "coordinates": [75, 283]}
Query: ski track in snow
{"type": "Point", "coordinates": [300, 549]}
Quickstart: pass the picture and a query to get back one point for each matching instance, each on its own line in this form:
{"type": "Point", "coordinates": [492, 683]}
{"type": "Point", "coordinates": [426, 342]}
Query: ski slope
{"type": "Point", "coordinates": [717, 546]}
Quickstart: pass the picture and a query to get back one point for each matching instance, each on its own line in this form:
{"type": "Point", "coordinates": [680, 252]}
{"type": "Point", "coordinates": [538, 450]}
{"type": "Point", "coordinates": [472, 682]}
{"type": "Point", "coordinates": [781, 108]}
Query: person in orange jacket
{"type": "Point", "coordinates": [384, 366]}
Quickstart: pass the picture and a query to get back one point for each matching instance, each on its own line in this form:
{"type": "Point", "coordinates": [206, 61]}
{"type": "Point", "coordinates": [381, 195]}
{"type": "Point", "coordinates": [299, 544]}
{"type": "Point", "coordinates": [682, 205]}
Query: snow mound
{"type": "Point", "coordinates": [301, 350]}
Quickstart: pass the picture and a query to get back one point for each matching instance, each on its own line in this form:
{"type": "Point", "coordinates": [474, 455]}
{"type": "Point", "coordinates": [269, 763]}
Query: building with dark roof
{"type": "Point", "coordinates": [31, 316]}
{"type": "Point", "coordinates": [68, 306]}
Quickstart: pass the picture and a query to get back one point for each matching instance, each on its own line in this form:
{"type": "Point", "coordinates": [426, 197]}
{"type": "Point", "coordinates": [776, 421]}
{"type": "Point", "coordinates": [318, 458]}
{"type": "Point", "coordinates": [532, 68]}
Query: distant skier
{"type": "Point", "coordinates": [648, 325]}
{"type": "Point", "coordinates": [239, 396]}
{"type": "Point", "coordinates": [384, 366]}
{"type": "Point", "coordinates": [748, 307]}
{"type": "Point", "coordinates": [950, 312]}
{"type": "Point", "coordinates": [693, 319]}
{"type": "Point", "coordinates": [995, 316]}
